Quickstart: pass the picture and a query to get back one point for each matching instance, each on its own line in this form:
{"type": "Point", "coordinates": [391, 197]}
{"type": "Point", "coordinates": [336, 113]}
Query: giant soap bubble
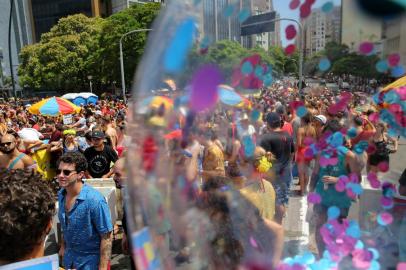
{"type": "Point", "coordinates": [199, 192]}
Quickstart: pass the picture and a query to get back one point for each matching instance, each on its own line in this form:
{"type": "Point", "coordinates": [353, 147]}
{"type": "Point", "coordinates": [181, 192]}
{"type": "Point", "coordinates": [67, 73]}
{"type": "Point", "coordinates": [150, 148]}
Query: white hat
{"type": "Point", "coordinates": [321, 118]}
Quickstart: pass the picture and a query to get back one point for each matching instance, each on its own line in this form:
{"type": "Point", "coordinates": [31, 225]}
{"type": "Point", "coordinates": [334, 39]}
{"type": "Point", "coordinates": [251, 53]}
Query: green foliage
{"type": "Point", "coordinates": [284, 64]}
{"type": "Point", "coordinates": [79, 46]}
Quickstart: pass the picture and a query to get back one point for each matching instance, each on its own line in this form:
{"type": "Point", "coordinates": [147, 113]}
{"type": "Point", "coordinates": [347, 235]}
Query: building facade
{"type": "Point", "coordinates": [394, 37]}
{"type": "Point", "coordinates": [358, 27]}
{"type": "Point", "coordinates": [118, 5]}
{"type": "Point", "coordinates": [321, 28]}
{"type": "Point", "coordinates": [21, 35]}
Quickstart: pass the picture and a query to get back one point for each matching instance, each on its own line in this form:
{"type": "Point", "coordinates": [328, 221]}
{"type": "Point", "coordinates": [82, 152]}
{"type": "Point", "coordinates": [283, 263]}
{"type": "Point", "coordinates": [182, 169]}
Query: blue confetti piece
{"type": "Point", "coordinates": [301, 111]}
{"type": "Point", "coordinates": [356, 188]}
{"type": "Point", "coordinates": [228, 11]}
{"type": "Point", "coordinates": [374, 265]}
{"type": "Point", "coordinates": [354, 230]}
{"type": "Point", "coordinates": [307, 258]}
{"type": "Point", "coordinates": [249, 146]}
{"type": "Point", "coordinates": [352, 132]}
{"type": "Point", "coordinates": [182, 42]}
{"type": "Point", "coordinates": [393, 132]}
{"type": "Point", "coordinates": [244, 15]}
{"type": "Point", "coordinates": [259, 70]}
{"type": "Point", "coordinates": [359, 245]}
{"type": "Point", "coordinates": [333, 212]}
{"type": "Point", "coordinates": [375, 98]}
{"type": "Point", "coordinates": [268, 79]}
{"type": "Point", "coordinates": [382, 66]}
{"type": "Point", "coordinates": [327, 7]}
{"type": "Point", "coordinates": [375, 253]}
{"type": "Point", "coordinates": [246, 68]}
{"type": "Point", "coordinates": [336, 139]}
{"type": "Point", "coordinates": [391, 97]}
{"type": "Point", "coordinates": [324, 64]}
{"type": "Point", "coordinates": [397, 71]}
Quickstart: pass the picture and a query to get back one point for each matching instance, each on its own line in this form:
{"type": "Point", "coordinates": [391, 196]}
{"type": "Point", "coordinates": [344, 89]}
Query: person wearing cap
{"type": "Point", "coordinates": [280, 144]}
{"type": "Point", "coordinates": [100, 156]}
{"type": "Point", "coordinates": [319, 121]}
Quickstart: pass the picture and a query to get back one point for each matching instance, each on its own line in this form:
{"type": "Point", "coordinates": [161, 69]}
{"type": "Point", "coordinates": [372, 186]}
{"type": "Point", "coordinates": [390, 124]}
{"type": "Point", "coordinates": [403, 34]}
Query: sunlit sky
{"type": "Point", "coordinates": [282, 7]}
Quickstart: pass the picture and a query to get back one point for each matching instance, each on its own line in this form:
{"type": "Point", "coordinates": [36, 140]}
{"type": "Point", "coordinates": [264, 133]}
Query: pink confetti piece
{"type": "Point", "coordinates": [361, 259]}
{"type": "Point", "coordinates": [383, 166]}
{"type": "Point", "coordinates": [204, 88]}
{"type": "Point", "coordinates": [385, 218]}
{"type": "Point", "coordinates": [393, 59]}
{"type": "Point", "coordinates": [253, 242]}
{"type": "Point", "coordinates": [401, 266]}
{"type": "Point", "coordinates": [374, 117]}
{"type": "Point", "coordinates": [305, 10]}
{"type": "Point", "coordinates": [366, 48]}
{"type": "Point", "coordinates": [294, 4]}
{"type": "Point", "coordinates": [386, 203]}
{"type": "Point", "coordinates": [290, 49]}
{"type": "Point", "coordinates": [290, 32]}
{"type": "Point", "coordinates": [340, 186]}
{"type": "Point", "coordinates": [314, 198]}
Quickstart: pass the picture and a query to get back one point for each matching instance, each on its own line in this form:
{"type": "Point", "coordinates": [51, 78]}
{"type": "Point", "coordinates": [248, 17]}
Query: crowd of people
{"type": "Point", "coordinates": [248, 155]}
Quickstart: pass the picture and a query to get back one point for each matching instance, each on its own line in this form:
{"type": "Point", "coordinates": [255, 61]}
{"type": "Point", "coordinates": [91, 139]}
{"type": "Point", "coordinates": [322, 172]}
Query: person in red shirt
{"type": "Point", "coordinates": [39, 125]}
{"type": "Point", "coordinates": [287, 127]}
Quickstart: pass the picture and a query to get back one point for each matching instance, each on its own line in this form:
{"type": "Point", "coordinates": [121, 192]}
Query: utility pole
{"type": "Point", "coordinates": [9, 48]}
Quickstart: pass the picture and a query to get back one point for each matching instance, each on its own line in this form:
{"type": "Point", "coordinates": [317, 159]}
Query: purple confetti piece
{"type": "Point", "coordinates": [366, 48]}
{"type": "Point", "coordinates": [204, 88]}
{"type": "Point", "coordinates": [314, 198]}
{"type": "Point", "coordinates": [253, 242]}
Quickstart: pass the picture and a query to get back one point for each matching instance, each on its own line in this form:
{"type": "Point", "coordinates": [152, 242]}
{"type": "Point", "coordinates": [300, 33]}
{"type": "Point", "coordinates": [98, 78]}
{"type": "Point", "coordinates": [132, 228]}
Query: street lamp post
{"type": "Point", "coordinates": [121, 57]}
{"type": "Point", "coordinates": [301, 42]}
{"type": "Point", "coordinates": [90, 77]}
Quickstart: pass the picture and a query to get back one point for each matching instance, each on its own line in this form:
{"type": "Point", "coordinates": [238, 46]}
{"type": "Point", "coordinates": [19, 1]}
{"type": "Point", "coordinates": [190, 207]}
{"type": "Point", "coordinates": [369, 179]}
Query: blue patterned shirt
{"type": "Point", "coordinates": [82, 228]}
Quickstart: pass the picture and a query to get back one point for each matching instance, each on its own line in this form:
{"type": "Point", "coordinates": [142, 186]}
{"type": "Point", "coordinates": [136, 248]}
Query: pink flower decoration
{"type": "Point", "coordinates": [393, 59]}
{"type": "Point", "coordinates": [314, 198]}
{"type": "Point", "coordinates": [290, 32]}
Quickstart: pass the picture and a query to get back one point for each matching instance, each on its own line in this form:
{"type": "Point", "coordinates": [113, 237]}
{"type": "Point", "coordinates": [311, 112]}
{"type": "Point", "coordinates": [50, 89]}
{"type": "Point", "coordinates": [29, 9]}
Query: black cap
{"type": "Point", "coordinates": [98, 134]}
{"type": "Point", "coordinates": [273, 118]}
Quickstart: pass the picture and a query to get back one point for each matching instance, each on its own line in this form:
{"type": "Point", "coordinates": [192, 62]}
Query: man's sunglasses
{"type": "Point", "coordinates": [5, 144]}
{"type": "Point", "coordinates": [65, 172]}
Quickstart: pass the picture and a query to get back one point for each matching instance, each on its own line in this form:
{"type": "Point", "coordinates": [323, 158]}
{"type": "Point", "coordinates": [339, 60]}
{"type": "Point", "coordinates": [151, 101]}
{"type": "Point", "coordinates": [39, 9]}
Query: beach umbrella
{"type": "Point", "coordinates": [54, 106]}
{"type": "Point", "coordinates": [229, 96]}
{"type": "Point", "coordinates": [396, 84]}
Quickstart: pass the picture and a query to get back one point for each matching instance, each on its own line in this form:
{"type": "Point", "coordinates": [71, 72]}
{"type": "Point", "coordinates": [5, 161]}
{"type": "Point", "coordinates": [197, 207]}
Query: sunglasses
{"type": "Point", "coordinates": [65, 172]}
{"type": "Point", "coordinates": [5, 144]}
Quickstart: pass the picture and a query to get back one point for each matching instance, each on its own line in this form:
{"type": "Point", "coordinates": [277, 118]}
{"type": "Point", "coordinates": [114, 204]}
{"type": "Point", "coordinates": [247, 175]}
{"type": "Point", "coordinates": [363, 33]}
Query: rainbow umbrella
{"type": "Point", "coordinates": [229, 96]}
{"type": "Point", "coordinates": [54, 106]}
{"type": "Point", "coordinates": [396, 84]}
{"type": "Point", "coordinates": [157, 101]}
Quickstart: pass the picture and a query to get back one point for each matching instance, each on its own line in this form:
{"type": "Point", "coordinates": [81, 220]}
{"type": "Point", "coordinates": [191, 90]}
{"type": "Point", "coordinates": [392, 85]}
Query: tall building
{"type": "Point", "coordinates": [394, 37]}
{"type": "Point", "coordinates": [270, 38]}
{"type": "Point", "coordinates": [215, 26]}
{"type": "Point", "coordinates": [46, 13]}
{"type": "Point", "coordinates": [357, 26]}
{"type": "Point", "coordinates": [321, 28]}
{"type": "Point", "coordinates": [21, 35]}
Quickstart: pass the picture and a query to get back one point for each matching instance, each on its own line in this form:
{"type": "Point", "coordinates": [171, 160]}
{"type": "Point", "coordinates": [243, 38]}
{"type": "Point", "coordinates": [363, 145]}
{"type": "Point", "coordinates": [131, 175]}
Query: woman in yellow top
{"type": "Point", "coordinates": [257, 190]}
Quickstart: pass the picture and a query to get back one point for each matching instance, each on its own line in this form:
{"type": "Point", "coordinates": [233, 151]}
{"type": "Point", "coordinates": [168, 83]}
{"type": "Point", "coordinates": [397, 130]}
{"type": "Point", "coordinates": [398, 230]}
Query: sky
{"type": "Point", "coordinates": [282, 7]}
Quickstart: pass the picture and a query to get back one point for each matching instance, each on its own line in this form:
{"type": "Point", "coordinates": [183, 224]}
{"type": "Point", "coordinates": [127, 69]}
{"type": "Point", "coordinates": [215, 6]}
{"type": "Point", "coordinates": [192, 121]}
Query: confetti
{"type": "Point", "coordinates": [382, 66]}
{"type": "Point", "coordinates": [397, 71]}
{"type": "Point", "coordinates": [305, 10]}
{"type": "Point", "coordinates": [294, 4]}
{"type": "Point", "coordinates": [290, 49]}
{"type": "Point", "coordinates": [246, 68]}
{"type": "Point", "coordinates": [383, 166]}
{"type": "Point", "coordinates": [393, 59]}
{"type": "Point", "coordinates": [301, 111]}
{"type": "Point", "coordinates": [314, 198]}
{"type": "Point", "coordinates": [327, 7]}
{"type": "Point", "coordinates": [366, 48]}
{"type": "Point", "coordinates": [182, 42]}
{"type": "Point", "coordinates": [244, 15]}
{"type": "Point", "coordinates": [333, 212]}
{"type": "Point", "coordinates": [253, 242]}
{"type": "Point", "coordinates": [228, 11]}
{"type": "Point", "coordinates": [384, 219]}
{"type": "Point", "coordinates": [290, 32]}
{"type": "Point", "coordinates": [204, 88]}
{"type": "Point", "coordinates": [324, 64]}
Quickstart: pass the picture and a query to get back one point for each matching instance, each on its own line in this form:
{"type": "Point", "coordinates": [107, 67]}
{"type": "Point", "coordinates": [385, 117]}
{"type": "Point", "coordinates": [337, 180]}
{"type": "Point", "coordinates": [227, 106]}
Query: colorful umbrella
{"type": "Point", "coordinates": [228, 96]}
{"type": "Point", "coordinates": [54, 106]}
{"type": "Point", "coordinates": [396, 84]}
{"type": "Point", "coordinates": [157, 101]}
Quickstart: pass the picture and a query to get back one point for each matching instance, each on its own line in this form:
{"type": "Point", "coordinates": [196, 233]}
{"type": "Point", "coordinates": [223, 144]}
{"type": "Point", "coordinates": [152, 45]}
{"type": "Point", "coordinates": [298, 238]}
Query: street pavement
{"type": "Point", "coordinates": [298, 235]}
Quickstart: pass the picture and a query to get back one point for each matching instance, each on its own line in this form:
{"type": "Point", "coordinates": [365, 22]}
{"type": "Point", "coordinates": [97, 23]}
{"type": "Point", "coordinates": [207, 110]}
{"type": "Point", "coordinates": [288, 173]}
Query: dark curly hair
{"type": "Point", "coordinates": [27, 206]}
{"type": "Point", "coordinates": [76, 158]}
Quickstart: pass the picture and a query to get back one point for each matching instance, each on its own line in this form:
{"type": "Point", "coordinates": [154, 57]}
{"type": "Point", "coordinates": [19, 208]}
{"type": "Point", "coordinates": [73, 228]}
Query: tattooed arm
{"type": "Point", "coordinates": [105, 250]}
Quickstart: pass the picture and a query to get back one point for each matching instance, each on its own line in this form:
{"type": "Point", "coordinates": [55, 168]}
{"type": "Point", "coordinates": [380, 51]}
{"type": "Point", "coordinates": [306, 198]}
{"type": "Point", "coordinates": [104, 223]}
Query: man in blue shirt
{"type": "Point", "coordinates": [84, 216]}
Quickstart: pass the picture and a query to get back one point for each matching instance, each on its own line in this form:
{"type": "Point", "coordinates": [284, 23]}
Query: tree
{"type": "Point", "coordinates": [79, 46]}
{"type": "Point", "coordinates": [138, 16]}
{"type": "Point", "coordinates": [62, 59]}
{"type": "Point", "coordinates": [357, 65]}
{"type": "Point", "coordinates": [284, 64]}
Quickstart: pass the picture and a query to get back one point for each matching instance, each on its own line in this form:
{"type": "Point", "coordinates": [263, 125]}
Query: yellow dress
{"type": "Point", "coordinates": [262, 195]}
